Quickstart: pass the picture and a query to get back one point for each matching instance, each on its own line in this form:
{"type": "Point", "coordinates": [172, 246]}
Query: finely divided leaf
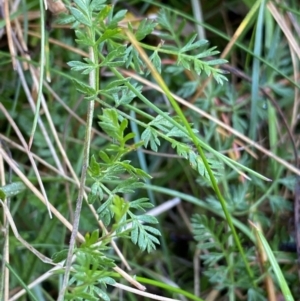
{"type": "Point", "coordinates": [191, 45]}
{"type": "Point", "coordinates": [150, 135]}
{"type": "Point", "coordinates": [80, 17]}
{"type": "Point", "coordinates": [108, 34]}
{"type": "Point", "coordinates": [98, 5]}
{"type": "Point", "coordinates": [145, 28]}
{"type": "Point", "coordinates": [141, 204]}
{"type": "Point", "coordinates": [82, 4]}
{"type": "Point", "coordinates": [156, 61]}
{"type": "Point", "coordinates": [83, 88]}
{"type": "Point", "coordinates": [120, 15]}
{"type": "Point", "coordinates": [140, 236]}
{"type": "Point", "coordinates": [128, 186]}
{"type": "Point", "coordinates": [86, 68]}
{"type": "Point", "coordinates": [147, 219]}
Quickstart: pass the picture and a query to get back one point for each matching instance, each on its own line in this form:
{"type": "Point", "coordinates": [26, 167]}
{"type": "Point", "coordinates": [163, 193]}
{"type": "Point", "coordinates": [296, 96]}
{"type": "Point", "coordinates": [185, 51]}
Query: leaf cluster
{"type": "Point", "coordinates": [103, 33]}
{"type": "Point", "coordinates": [126, 179]}
{"type": "Point", "coordinates": [161, 127]}
{"type": "Point", "coordinates": [222, 266]}
{"type": "Point", "coordinates": [185, 53]}
{"type": "Point", "coordinates": [97, 27]}
{"type": "Point", "coordinates": [212, 237]}
{"type": "Point", "coordinates": [90, 269]}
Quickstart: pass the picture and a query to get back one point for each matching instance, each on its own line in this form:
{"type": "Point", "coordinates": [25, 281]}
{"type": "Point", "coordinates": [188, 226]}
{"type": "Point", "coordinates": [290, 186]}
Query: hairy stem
{"type": "Point", "coordinates": [87, 142]}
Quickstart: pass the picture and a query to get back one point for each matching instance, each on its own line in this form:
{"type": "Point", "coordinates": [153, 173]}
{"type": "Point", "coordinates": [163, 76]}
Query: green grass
{"type": "Point", "coordinates": [213, 140]}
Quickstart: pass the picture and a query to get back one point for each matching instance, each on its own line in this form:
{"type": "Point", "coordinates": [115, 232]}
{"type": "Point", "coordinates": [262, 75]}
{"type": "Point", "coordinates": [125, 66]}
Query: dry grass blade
{"type": "Point", "coordinates": [19, 134]}
{"type": "Point", "coordinates": [37, 281]}
{"type": "Point", "coordinates": [40, 160]}
{"type": "Point", "coordinates": [37, 193]}
{"type": "Point", "coordinates": [285, 29]}
{"type": "Point", "coordinates": [11, 45]}
{"type": "Point", "coordinates": [42, 257]}
{"type": "Point", "coordinates": [40, 122]}
{"type": "Point", "coordinates": [4, 272]}
{"type": "Point", "coordinates": [144, 294]}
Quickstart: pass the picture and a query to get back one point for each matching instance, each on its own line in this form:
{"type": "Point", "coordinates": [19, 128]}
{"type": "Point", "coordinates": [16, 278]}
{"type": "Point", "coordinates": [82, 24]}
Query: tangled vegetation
{"type": "Point", "coordinates": [149, 150]}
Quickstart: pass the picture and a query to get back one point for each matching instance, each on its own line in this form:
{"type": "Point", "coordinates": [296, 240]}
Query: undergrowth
{"type": "Point", "coordinates": [186, 162]}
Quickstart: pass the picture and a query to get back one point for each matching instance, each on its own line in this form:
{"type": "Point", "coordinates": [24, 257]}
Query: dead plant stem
{"type": "Point", "coordinates": [86, 153]}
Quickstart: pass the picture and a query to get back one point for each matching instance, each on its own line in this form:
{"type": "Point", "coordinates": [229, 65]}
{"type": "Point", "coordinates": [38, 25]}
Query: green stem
{"type": "Point", "coordinates": [195, 140]}
{"type": "Point", "coordinates": [212, 178]}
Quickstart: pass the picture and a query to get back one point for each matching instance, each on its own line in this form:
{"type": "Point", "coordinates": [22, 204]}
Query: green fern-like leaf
{"type": "Point", "coordinates": [192, 44]}
{"type": "Point", "coordinates": [145, 28]}
{"type": "Point", "coordinates": [132, 58]}
{"type": "Point", "coordinates": [98, 5]}
{"type": "Point", "coordinates": [81, 17]}
{"type": "Point", "coordinates": [161, 123]}
{"type": "Point", "coordinates": [190, 62]}
{"type": "Point", "coordinates": [170, 25]}
{"type": "Point", "coordinates": [127, 186]}
{"type": "Point", "coordinates": [141, 204]}
{"type": "Point", "coordinates": [143, 236]}
{"type": "Point", "coordinates": [85, 68]}
{"type": "Point", "coordinates": [213, 237]}
{"type": "Point", "coordinates": [185, 53]}
{"type": "Point", "coordinates": [116, 18]}
{"type": "Point", "coordinates": [114, 58]}
{"type": "Point", "coordinates": [209, 234]}
{"type": "Point", "coordinates": [119, 208]}
{"type": "Point", "coordinates": [150, 136]}
{"type": "Point", "coordinates": [113, 125]}
{"type": "Point", "coordinates": [156, 61]}
{"type": "Point", "coordinates": [182, 149]}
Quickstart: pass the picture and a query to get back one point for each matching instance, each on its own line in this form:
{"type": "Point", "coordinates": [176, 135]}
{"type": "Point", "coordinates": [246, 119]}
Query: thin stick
{"type": "Point", "coordinates": [36, 282]}
{"type": "Point", "coordinates": [29, 154]}
{"type": "Point", "coordinates": [4, 277]}
{"type": "Point", "coordinates": [11, 46]}
{"type": "Point", "coordinates": [39, 159]}
{"type": "Point", "coordinates": [148, 295]}
{"type": "Point", "coordinates": [32, 104]}
{"type": "Point", "coordinates": [197, 268]}
{"type": "Point", "coordinates": [20, 239]}
{"type": "Point", "coordinates": [36, 192]}
{"type": "Point", "coordinates": [129, 279]}
{"type": "Point", "coordinates": [86, 153]}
